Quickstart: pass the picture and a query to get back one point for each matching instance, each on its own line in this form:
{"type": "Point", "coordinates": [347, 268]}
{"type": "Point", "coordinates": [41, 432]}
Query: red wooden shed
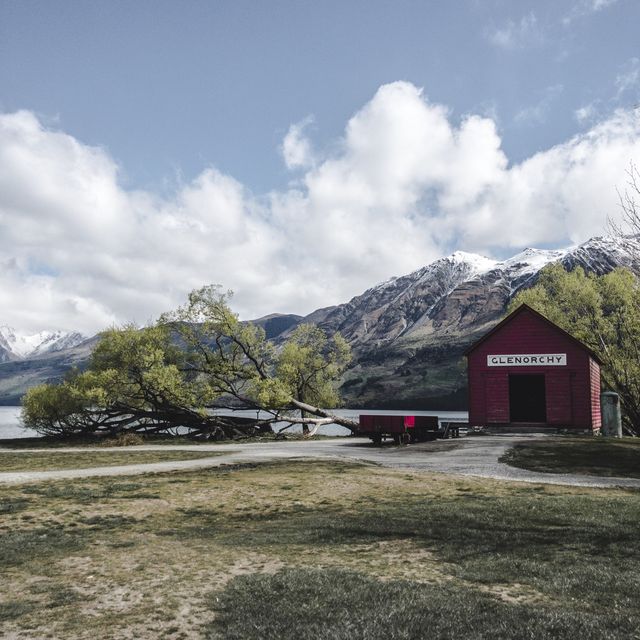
{"type": "Point", "coordinates": [528, 372]}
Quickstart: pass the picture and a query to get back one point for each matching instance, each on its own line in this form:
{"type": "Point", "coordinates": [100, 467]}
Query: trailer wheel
{"type": "Point", "coordinates": [376, 439]}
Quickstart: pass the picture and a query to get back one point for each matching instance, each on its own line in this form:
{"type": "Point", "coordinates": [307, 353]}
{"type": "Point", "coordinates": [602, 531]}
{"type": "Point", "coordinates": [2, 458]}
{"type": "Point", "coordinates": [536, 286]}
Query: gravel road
{"type": "Point", "coordinates": [472, 456]}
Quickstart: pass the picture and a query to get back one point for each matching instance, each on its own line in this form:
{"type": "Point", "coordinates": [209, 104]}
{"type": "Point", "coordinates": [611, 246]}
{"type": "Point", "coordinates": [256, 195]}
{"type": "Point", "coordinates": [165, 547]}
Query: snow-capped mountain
{"type": "Point", "coordinates": [460, 290]}
{"type": "Point", "coordinates": [17, 346]}
{"type": "Point", "coordinates": [408, 334]}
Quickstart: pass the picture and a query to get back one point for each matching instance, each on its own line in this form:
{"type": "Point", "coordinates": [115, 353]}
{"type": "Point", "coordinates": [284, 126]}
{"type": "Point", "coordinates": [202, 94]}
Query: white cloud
{"type": "Point", "coordinates": [564, 192]}
{"type": "Point", "coordinates": [103, 253]}
{"type": "Point", "coordinates": [628, 79]}
{"type": "Point", "coordinates": [626, 85]}
{"type": "Point", "coordinates": [537, 113]}
{"type": "Point", "coordinates": [586, 113]}
{"type": "Point", "coordinates": [403, 186]}
{"type": "Point", "coordinates": [583, 8]}
{"type": "Point", "coordinates": [296, 147]}
{"type": "Point", "coordinates": [517, 34]}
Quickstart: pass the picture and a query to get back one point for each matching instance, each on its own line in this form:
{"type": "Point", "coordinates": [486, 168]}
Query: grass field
{"type": "Point", "coordinates": [92, 441]}
{"type": "Point", "coordinates": [317, 550]}
{"type": "Point", "coordinates": [587, 455]}
{"type": "Point", "coordinates": [46, 461]}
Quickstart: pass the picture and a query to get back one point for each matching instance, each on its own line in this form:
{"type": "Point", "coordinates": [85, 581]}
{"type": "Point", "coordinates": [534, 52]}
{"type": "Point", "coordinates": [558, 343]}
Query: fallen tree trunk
{"type": "Point", "coordinates": [323, 413]}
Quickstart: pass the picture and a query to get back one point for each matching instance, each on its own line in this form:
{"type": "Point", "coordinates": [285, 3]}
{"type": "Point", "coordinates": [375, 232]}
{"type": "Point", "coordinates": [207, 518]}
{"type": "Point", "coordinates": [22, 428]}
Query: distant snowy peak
{"type": "Point", "coordinates": [476, 262]}
{"type": "Point", "coordinates": [599, 254]}
{"type": "Point", "coordinates": [58, 341]}
{"type": "Point", "coordinates": [531, 259]}
{"type": "Point", "coordinates": [20, 345]}
{"type": "Point", "coordinates": [602, 254]}
{"type": "Point", "coordinates": [460, 294]}
{"type": "Point", "coordinates": [465, 265]}
{"type": "Point", "coordinates": [468, 266]}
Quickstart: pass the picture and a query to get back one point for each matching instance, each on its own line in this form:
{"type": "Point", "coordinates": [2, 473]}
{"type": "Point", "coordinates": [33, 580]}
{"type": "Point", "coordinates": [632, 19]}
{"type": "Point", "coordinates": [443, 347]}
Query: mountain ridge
{"type": "Point", "coordinates": [408, 333]}
{"type": "Point", "coordinates": [15, 345]}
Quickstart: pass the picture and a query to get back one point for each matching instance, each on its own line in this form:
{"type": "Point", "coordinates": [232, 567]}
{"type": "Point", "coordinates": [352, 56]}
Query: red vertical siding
{"type": "Point", "coordinates": [497, 397]}
{"type": "Point", "coordinates": [572, 391]}
{"type": "Point", "coordinates": [559, 397]}
{"type": "Point", "coordinates": [596, 416]}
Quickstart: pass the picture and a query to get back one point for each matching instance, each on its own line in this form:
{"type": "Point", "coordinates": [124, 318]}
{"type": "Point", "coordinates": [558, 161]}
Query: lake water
{"type": "Point", "coordinates": [10, 426]}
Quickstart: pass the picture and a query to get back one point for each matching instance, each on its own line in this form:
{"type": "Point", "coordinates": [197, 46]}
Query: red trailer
{"type": "Point", "coordinates": [403, 429]}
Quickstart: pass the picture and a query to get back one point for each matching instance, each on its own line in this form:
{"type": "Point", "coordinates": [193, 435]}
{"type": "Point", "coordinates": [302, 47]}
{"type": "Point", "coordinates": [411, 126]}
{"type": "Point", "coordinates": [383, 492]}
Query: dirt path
{"type": "Point", "coordinates": [474, 456]}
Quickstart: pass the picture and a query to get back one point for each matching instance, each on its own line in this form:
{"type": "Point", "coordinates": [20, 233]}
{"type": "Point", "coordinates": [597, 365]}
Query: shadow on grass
{"type": "Point", "coordinates": [572, 546]}
{"type": "Point", "coordinates": [91, 493]}
{"type": "Point", "coordinates": [13, 505]}
{"type": "Point", "coordinates": [590, 456]}
{"type": "Point", "coordinates": [13, 609]}
{"type": "Point", "coordinates": [307, 604]}
{"type": "Point", "coordinates": [19, 546]}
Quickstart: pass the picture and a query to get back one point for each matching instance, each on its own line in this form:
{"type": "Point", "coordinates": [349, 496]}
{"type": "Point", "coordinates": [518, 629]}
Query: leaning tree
{"type": "Point", "coordinates": [199, 371]}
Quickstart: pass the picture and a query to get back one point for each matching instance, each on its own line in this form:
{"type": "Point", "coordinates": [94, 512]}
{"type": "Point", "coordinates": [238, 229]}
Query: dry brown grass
{"type": "Point", "coordinates": [54, 460]}
{"type": "Point", "coordinates": [138, 558]}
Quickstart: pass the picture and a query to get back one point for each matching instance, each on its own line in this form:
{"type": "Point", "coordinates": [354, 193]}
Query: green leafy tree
{"type": "Point", "coordinates": [308, 366]}
{"type": "Point", "coordinates": [603, 312]}
{"type": "Point", "coordinates": [244, 369]}
{"type": "Point", "coordinates": [191, 371]}
{"type": "Point", "coordinates": [134, 382]}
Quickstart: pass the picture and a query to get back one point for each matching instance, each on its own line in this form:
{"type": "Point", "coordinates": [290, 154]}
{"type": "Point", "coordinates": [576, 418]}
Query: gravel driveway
{"type": "Point", "coordinates": [472, 456]}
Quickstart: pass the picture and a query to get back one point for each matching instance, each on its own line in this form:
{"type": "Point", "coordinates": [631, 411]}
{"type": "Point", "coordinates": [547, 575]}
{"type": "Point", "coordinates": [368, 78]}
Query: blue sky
{"type": "Point", "coordinates": [331, 141]}
{"type": "Point", "coordinates": [177, 86]}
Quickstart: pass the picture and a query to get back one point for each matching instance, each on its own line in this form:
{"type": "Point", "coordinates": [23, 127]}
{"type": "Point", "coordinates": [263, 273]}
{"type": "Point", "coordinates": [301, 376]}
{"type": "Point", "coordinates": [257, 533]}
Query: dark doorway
{"type": "Point", "coordinates": [527, 398]}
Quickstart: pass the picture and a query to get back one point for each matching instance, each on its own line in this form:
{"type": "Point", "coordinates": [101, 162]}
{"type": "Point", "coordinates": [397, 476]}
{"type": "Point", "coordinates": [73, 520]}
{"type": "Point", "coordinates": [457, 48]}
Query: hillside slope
{"type": "Point", "coordinates": [408, 334]}
{"type": "Point", "coordinates": [16, 376]}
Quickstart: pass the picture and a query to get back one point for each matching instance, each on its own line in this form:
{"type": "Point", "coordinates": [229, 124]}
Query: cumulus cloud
{"type": "Point", "coordinates": [91, 252]}
{"type": "Point", "coordinates": [564, 192]}
{"type": "Point", "coordinates": [296, 147]}
{"type": "Point", "coordinates": [404, 185]}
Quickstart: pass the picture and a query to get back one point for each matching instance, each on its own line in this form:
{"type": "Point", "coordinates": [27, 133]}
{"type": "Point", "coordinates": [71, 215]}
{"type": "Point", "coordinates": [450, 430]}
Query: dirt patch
{"type": "Point", "coordinates": [515, 593]}
{"type": "Point", "coordinates": [387, 559]}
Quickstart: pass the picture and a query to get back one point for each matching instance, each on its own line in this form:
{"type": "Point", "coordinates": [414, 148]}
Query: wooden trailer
{"type": "Point", "coordinates": [405, 429]}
